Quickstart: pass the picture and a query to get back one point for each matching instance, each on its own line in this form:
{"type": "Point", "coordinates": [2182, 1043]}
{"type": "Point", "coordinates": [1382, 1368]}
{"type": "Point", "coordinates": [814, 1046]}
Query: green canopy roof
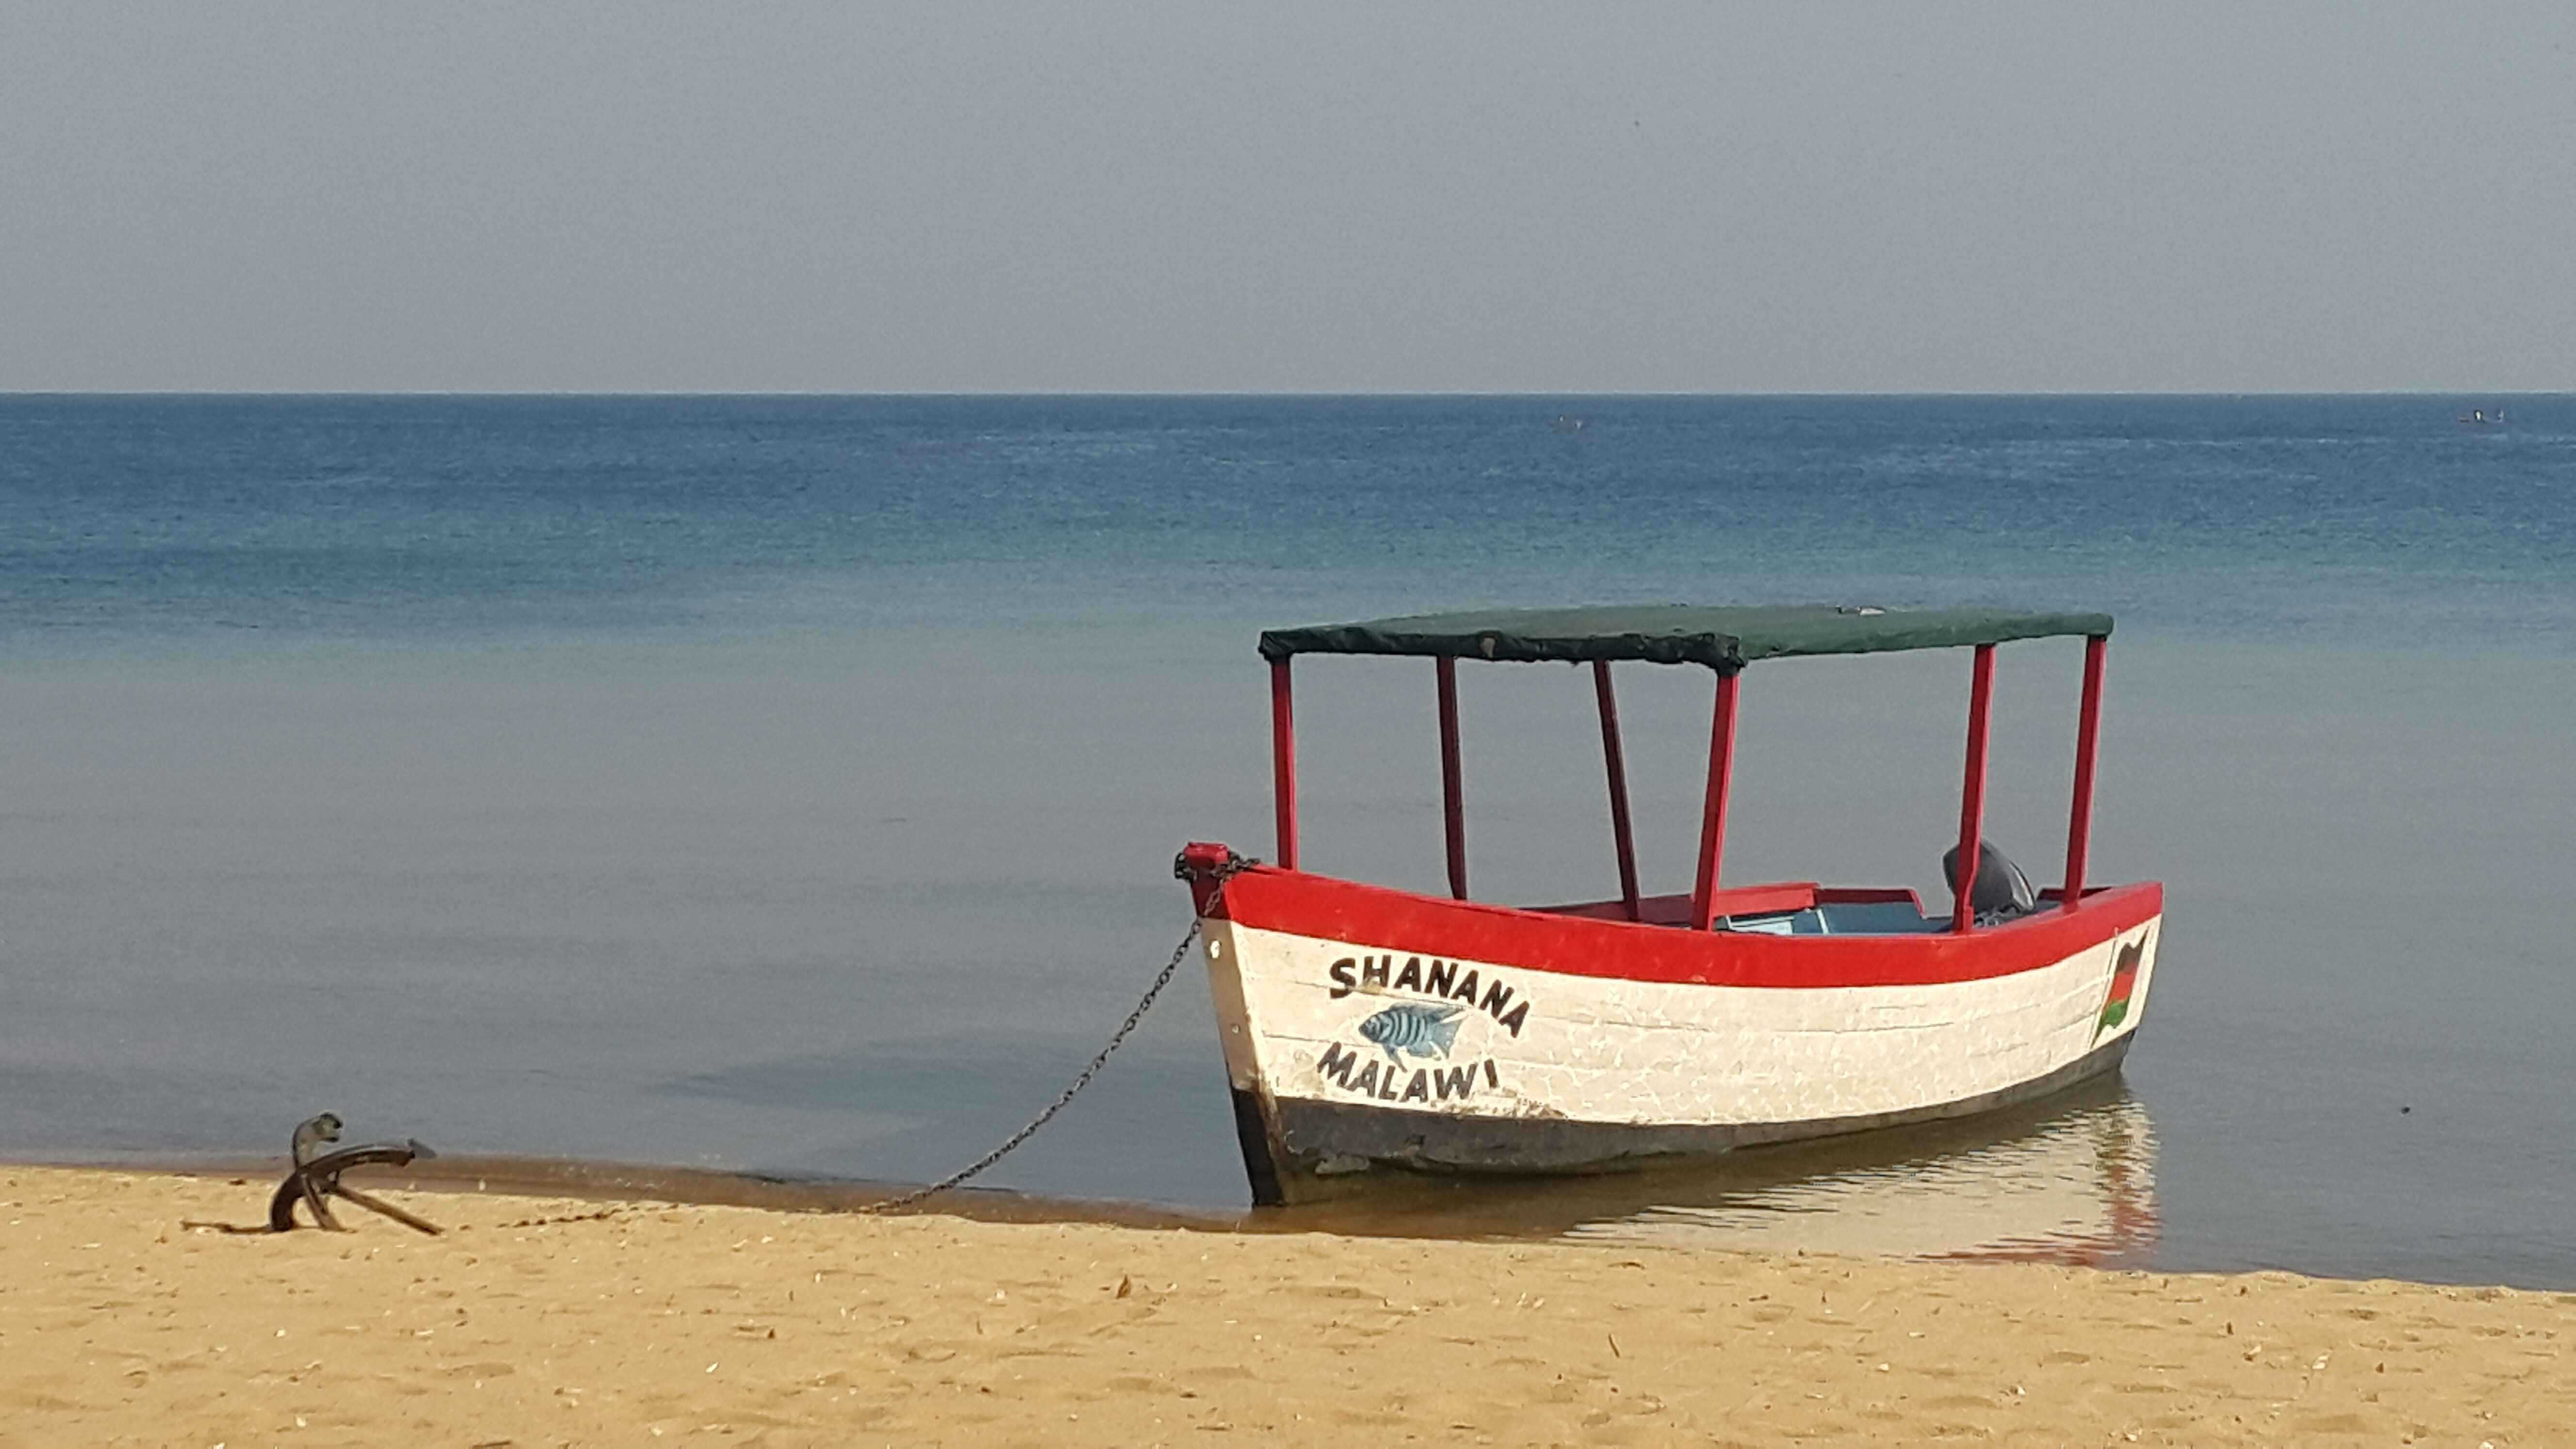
{"type": "Point", "coordinates": [1724, 639]}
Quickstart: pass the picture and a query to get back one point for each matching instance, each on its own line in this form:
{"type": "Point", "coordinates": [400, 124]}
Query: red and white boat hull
{"type": "Point", "coordinates": [1365, 1027]}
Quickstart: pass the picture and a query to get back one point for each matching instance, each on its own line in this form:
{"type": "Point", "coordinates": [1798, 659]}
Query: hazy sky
{"type": "Point", "coordinates": [1213, 197]}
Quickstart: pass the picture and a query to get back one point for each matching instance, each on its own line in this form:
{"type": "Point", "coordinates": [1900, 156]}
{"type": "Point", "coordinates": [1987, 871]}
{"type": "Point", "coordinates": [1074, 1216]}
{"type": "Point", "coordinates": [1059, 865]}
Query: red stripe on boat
{"type": "Point", "coordinates": [1375, 918]}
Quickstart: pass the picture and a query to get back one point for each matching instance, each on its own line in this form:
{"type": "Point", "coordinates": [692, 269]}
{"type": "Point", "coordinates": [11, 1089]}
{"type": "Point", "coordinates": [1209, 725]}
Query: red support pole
{"type": "Point", "coordinates": [1618, 766]}
{"type": "Point", "coordinates": [1283, 763]}
{"type": "Point", "coordinates": [2088, 729]}
{"type": "Point", "coordinates": [1972, 789]}
{"type": "Point", "coordinates": [1712, 826]}
{"type": "Point", "coordinates": [1453, 792]}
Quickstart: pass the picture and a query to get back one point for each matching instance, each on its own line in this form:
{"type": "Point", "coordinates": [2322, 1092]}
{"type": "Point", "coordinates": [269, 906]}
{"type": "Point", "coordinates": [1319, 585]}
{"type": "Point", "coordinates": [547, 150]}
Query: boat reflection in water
{"type": "Point", "coordinates": [2068, 1180]}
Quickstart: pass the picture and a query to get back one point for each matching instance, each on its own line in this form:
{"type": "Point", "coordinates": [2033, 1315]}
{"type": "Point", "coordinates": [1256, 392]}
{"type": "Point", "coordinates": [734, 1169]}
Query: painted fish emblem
{"type": "Point", "coordinates": [1413, 1030]}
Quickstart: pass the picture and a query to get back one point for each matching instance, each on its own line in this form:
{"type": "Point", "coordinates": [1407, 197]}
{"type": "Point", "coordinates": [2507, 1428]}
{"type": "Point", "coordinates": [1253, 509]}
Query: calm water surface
{"type": "Point", "coordinates": [791, 784]}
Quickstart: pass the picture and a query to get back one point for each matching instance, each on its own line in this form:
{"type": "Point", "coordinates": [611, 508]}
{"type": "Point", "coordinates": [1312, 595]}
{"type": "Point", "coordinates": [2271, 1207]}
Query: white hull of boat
{"type": "Point", "coordinates": [1484, 1065]}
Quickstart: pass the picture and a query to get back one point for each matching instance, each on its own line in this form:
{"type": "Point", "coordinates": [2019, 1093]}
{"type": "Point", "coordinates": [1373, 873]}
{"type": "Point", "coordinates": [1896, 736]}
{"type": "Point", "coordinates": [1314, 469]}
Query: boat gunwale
{"type": "Point", "coordinates": [1385, 919]}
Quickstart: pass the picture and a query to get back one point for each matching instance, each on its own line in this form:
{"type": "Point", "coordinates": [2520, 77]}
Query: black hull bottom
{"type": "Point", "coordinates": [1293, 1153]}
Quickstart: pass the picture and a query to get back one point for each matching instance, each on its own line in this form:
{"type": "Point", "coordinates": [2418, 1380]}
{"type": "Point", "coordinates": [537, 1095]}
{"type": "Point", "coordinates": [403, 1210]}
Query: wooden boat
{"type": "Point", "coordinates": [1365, 1027]}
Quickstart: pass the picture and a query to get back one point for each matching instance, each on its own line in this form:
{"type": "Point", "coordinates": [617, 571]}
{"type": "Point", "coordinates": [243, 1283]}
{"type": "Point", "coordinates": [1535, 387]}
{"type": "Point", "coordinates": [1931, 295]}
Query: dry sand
{"type": "Point", "coordinates": [537, 1322]}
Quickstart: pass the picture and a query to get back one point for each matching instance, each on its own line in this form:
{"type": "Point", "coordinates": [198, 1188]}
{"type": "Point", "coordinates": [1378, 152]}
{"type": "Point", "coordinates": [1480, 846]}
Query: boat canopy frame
{"type": "Point", "coordinates": [1723, 640]}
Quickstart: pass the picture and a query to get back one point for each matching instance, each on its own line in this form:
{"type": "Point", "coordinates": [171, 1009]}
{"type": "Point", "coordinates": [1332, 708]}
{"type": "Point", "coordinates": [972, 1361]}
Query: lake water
{"type": "Point", "coordinates": [791, 784]}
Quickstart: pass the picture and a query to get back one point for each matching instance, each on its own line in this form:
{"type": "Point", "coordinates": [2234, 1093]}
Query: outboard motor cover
{"type": "Point", "coordinates": [2001, 891]}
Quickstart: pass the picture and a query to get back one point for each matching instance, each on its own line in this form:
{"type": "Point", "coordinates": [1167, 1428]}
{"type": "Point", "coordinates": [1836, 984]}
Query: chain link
{"type": "Point", "coordinates": [1231, 868]}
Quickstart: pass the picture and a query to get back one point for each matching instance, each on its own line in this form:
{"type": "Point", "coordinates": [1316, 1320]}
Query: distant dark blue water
{"type": "Point", "coordinates": [790, 783]}
{"type": "Point", "coordinates": [2283, 519]}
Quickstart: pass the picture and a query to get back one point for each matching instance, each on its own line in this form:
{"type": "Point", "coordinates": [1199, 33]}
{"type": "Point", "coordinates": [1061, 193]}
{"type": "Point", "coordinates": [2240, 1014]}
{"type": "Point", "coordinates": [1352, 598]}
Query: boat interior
{"type": "Point", "coordinates": [1786, 908]}
{"type": "Point", "coordinates": [1805, 908]}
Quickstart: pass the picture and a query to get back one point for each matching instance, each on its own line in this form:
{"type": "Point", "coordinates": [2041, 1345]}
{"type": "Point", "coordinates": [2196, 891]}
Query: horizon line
{"type": "Point", "coordinates": [1278, 393]}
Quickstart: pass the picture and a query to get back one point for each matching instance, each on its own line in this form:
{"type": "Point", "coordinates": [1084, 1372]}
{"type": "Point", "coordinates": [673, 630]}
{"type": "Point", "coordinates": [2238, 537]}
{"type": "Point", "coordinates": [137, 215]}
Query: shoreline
{"type": "Point", "coordinates": [554, 1318]}
{"type": "Point", "coordinates": [1438, 1207]}
{"type": "Point", "coordinates": [596, 1180]}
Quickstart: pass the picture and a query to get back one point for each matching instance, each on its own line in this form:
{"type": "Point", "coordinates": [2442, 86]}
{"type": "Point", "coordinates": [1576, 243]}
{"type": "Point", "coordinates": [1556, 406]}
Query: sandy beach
{"type": "Point", "coordinates": [541, 1321]}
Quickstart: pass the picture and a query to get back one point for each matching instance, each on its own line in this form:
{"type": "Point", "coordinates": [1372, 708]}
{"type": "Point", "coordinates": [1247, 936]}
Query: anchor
{"type": "Point", "coordinates": [317, 1177]}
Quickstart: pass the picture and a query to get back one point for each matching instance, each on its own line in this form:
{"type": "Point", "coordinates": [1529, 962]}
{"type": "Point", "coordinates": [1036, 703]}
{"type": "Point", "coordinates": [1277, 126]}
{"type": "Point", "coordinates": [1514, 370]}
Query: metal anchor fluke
{"type": "Point", "coordinates": [316, 1177]}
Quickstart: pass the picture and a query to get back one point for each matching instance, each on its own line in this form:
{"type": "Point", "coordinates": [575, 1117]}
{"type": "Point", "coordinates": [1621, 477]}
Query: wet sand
{"type": "Point", "coordinates": [560, 1319]}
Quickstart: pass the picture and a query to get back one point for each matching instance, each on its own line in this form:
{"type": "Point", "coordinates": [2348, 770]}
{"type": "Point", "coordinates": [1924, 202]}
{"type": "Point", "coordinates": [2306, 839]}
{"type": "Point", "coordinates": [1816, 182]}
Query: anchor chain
{"type": "Point", "coordinates": [1227, 871]}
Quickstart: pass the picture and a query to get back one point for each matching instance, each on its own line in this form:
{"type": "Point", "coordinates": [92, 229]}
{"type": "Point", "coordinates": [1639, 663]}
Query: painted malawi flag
{"type": "Point", "coordinates": [2124, 984]}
